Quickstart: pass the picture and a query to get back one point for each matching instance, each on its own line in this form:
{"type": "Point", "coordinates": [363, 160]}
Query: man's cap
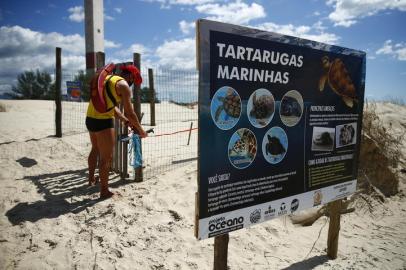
{"type": "Point", "coordinates": [135, 71]}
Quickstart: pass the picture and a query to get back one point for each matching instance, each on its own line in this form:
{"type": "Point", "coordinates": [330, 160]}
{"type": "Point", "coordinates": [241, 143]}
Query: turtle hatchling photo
{"type": "Point", "coordinates": [226, 107]}
{"type": "Point", "coordinates": [260, 108]}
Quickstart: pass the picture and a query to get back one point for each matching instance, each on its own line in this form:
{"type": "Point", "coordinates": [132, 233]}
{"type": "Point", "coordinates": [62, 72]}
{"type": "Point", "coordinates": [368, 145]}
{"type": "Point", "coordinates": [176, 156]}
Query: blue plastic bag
{"type": "Point", "coordinates": [136, 151]}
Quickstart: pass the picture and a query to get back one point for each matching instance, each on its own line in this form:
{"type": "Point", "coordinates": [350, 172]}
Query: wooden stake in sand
{"type": "Point", "coordinates": [334, 210]}
{"type": "Point", "coordinates": [190, 132]}
{"type": "Point", "coordinates": [220, 252]}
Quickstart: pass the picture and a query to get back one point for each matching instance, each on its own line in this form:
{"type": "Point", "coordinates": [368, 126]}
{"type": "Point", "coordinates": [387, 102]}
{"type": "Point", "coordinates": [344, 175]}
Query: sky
{"type": "Point", "coordinates": [163, 31]}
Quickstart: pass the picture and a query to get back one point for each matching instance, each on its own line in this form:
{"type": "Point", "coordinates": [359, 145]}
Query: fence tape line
{"type": "Point", "coordinates": [167, 134]}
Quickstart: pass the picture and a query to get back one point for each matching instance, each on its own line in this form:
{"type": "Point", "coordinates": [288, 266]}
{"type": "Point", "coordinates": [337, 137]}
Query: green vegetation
{"type": "Point", "coordinates": [34, 85]}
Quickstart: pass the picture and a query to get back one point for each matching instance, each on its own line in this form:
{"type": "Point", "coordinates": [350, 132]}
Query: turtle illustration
{"type": "Point", "coordinates": [262, 108]}
{"type": "Point", "coordinates": [246, 145]}
{"type": "Point", "coordinates": [290, 107]}
{"type": "Point", "coordinates": [338, 79]}
{"type": "Point", "coordinates": [231, 104]}
{"type": "Point", "coordinates": [274, 146]}
{"type": "Point", "coordinates": [323, 139]}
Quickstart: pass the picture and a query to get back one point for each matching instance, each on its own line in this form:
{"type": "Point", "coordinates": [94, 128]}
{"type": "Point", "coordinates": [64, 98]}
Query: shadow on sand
{"type": "Point", "coordinates": [64, 192]}
{"type": "Point", "coordinates": [309, 263]}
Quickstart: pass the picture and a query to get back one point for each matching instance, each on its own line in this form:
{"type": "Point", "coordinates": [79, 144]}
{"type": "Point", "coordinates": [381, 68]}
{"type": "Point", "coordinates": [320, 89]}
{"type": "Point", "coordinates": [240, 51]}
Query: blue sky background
{"type": "Point", "coordinates": [163, 31]}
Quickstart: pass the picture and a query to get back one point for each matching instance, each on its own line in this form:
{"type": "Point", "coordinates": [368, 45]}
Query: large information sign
{"type": "Point", "coordinates": [279, 125]}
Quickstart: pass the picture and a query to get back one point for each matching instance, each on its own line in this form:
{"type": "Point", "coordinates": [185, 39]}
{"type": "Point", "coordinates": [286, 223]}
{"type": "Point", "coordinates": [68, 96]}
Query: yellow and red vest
{"type": "Point", "coordinates": [110, 82]}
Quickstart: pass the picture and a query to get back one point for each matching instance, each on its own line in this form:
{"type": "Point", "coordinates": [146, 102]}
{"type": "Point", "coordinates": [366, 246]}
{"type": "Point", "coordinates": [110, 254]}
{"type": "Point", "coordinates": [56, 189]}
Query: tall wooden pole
{"type": "Point", "coordinates": [58, 100]}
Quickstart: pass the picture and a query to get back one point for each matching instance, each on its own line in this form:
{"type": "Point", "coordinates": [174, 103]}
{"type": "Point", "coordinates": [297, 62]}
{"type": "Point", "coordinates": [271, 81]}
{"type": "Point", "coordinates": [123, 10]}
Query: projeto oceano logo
{"type": "Point", "coordinates": [221, 223]}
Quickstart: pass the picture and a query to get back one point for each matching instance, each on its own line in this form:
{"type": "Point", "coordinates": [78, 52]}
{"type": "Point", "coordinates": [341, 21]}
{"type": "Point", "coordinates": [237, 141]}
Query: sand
{"type": "Point", "coordinates": [51, 219]}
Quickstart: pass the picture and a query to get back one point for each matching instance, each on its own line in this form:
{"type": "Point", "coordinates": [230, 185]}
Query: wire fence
{"type": "Point", "coordinates": [174, 141]}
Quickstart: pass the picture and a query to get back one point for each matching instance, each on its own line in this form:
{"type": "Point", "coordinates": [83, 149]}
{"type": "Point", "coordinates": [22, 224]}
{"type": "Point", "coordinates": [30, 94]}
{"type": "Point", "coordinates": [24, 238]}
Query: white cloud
{"type": "Point", "coordinates": [108, 44]}
{"type": "Point", "coordinates": [168, 3]}
{"type": "Point", "coordinates": [118, 10]}
{"type": "Point", "coordinates": [108, 18]}
{"type": "Point", "coordinates": [315, 32]}
{"type": "Point", "coordinates": [177, 54]}
{"type": "Point", "coordinates": [397, 51]}
{"type": "Point", "coordinates": [16, 40]}
{"type": "Point", "coordinates": [186, 27]}
{"type": "Point", "coordinates": [23, 49]}
{"type": "Point", "coordinates": [77, 14]}
{"type": "Point", "coordinates": [134, 48]}
{"type": "Point", "coordinates": [347, 12]}
{"type": "Point", "coordinates": [189, 2]}
{"type": "Point", "coordinates": [236, 12]}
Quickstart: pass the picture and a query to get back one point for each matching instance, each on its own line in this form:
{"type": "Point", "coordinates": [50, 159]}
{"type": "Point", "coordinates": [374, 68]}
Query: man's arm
{"type": "Point", "coordinates": [119, 115]}
{"type": "Point", "coordinates": [125, 92]}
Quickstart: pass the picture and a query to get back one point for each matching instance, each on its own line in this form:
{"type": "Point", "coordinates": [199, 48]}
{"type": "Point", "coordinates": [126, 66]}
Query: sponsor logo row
{"type": "Point", "coordinates": [221, 225]}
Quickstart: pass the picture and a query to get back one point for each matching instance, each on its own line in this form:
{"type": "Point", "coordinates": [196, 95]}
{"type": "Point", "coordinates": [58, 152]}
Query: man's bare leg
{"type": "Point", "coordinates": [92, 159]}
{"type": "Point", "coordinates": [105, 144]}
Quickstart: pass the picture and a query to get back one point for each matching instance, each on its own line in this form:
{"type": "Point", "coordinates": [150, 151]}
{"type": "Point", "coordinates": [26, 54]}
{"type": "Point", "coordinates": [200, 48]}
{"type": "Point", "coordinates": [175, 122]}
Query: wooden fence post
{"type": "Point", "coordinates": [220, 252]}
{"type": "Point", "coordinates": [137, 88]}
{"type": "Point", "coordinates": [138, 174]}
{"type": "Point", "coordinates": [334, 210]}
{"type": "Point", "coordinates": [152, 95]}
{"type": "Point", "coordinates": [58, 100]}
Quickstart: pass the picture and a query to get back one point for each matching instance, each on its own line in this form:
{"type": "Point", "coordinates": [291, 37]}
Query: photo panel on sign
{"type": "Point", "coordinates": [275, 145]}
{"type": "Point", "coordinates": [291, 108]}
{"type": "Point", "coordinates": [323, 139]}
{"type": "Point", "coordinates": [260, 108]}
{"type": "Point", "coordinates": [346, 134]}
{"type": "Point", "coordinates": [226, 108]}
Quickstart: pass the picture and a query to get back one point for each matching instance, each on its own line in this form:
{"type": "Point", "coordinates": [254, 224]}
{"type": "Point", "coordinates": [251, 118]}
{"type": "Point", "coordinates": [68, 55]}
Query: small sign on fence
{"type": "Point", "coordinates": [73, 90]}
{"type": "Point", "coordinates": [279, 125]}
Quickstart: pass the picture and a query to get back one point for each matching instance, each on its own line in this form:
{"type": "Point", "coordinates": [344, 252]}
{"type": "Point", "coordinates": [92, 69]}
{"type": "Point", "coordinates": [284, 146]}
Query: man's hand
{"type": "Point", "coordinates": [142, 133]}
{"type": "Point", "coordinates": [139, 130]}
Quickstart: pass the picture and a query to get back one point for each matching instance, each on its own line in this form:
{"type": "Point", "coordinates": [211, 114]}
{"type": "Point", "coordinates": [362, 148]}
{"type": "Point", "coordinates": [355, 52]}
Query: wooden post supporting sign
{"type": "Point", "coordinates": [334, 210]}
{"type": "Point", "coordinates": [220, 252]}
